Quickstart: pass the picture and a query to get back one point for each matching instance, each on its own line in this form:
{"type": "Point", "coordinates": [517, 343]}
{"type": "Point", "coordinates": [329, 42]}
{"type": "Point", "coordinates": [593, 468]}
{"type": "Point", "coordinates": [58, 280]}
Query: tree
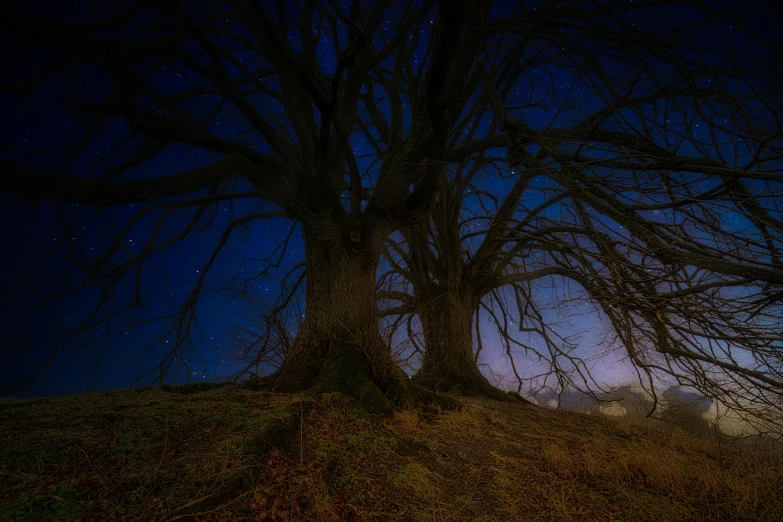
{"type": "Point", "coordinates": [344, 121]}
{"type": "Point", "coordinates": [262, 65]}
{"type": "Point", "coordinates": [646, 176]}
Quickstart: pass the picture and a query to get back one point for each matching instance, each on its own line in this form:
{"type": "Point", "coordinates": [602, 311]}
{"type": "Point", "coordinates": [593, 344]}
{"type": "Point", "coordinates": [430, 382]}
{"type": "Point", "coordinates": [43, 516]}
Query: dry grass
{"type": "Point", "coordinates": [140, 455]}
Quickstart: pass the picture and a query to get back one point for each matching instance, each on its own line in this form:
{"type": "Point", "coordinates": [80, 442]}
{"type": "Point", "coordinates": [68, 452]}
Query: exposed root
{"type": "Point", "coordinates": [349, 373]}
{"type": "Point", "coordinates": [477, 386]}
{"type": "Point", "coordinates": [517, 397]}
{"type": "Point", "coordinates": [424, 397]}
{"type": "Point", "coordinates": [346, 371]}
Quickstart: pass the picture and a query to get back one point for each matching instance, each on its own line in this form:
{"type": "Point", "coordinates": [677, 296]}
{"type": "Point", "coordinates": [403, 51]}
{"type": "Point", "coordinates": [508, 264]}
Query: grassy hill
{"type": "Point", "coordinates": [232, 453]}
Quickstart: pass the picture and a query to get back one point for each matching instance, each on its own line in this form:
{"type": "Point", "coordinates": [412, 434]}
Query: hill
{"type": "Point", "coordinates": [234, 453]}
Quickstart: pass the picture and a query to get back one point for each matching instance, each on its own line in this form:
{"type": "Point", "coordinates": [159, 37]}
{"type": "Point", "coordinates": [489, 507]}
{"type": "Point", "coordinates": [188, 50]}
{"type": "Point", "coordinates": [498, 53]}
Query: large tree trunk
{"type": "Point", "coordinates": [449, 363]}
{"type": "Point", "coordinates": [339, 346]}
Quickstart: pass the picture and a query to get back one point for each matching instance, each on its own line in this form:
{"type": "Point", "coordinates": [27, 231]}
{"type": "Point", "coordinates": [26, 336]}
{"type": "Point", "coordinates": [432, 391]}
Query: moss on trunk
{"type": "Point", "coordinates": [449, 364]}
{"type": "Point", "coordinates": [339, 346]}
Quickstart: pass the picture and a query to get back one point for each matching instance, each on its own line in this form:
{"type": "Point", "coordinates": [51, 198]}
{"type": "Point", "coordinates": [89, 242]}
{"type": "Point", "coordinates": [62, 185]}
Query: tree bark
{"type": "Point", "coordinates": [339, 346]}
{"type": "Point", "coordinates": [449, 364]}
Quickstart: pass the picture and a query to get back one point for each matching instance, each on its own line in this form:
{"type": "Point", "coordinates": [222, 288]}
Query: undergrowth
{"type": "Point", "coordinates": [146, 455]}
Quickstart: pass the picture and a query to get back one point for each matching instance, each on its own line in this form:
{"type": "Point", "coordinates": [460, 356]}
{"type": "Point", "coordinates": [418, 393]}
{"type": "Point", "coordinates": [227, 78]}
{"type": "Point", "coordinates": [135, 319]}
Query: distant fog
{"type": "Point", "coordinates": [676, 407]}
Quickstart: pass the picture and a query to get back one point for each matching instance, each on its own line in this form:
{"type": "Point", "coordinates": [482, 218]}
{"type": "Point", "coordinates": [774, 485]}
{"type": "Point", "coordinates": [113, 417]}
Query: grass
{"type": "Point", "coordinates": [139, 455]}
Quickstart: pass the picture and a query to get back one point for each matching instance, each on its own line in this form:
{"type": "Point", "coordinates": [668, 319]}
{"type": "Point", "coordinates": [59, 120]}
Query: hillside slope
{"type": "Point", "coordinates": [217, 455]}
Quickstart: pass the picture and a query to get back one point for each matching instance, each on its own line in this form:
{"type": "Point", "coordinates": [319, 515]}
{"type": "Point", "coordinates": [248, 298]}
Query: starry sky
{"type": "Point", "coordinates": [46, 245]}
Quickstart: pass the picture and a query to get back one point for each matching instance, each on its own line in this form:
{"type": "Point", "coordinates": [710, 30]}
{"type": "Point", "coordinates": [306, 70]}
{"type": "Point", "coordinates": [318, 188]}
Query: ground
{"type": "Point", "coordinates": [213, 455]}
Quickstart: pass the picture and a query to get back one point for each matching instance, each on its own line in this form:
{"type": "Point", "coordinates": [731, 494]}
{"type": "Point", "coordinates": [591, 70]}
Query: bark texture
{"type": "Point", "coordinates": [449, 364]}
{"type": "Point", "coordinates": [339, 347]}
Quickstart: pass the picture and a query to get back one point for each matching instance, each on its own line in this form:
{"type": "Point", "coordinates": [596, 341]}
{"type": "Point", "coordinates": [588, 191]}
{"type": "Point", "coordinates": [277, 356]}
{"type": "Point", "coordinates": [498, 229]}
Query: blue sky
{"type": "Point", "coordinates": [44, 249]}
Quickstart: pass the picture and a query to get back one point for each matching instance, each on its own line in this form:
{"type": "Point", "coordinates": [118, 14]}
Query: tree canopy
{"type": "Point", "coordinates": [463, 159]}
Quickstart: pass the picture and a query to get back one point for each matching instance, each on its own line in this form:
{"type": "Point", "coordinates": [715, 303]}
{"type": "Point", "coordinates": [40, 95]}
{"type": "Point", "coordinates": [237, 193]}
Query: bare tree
{"type": "Point", "coordinates": [352, 143]}
{"type": "Point", "coordinates": [653, 194]}
{"type": "Point", "coordinates": [294, 112]}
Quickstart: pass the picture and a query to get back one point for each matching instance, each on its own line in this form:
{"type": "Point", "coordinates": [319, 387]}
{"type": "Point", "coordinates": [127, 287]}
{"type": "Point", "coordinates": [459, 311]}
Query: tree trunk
{"type": "Point", "coordinates": [449, 364]}
{"type": "Point", "coordinates": [339, 346]}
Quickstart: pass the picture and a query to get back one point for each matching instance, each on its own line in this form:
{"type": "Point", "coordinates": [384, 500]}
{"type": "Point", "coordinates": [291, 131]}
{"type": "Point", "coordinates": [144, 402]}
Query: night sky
{"type": "Point", "coordinates": [42, 255]}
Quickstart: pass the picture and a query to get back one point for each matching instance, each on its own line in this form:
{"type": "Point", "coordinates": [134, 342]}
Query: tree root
{"type": "Point", "coordinates": [426, 398]}
{"type": "Point", "coordinates": [349, 373]}
{"type": "Point", "coordinates": [468, 387]}
{"type": "Point", "coordinates": [518, 398]}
